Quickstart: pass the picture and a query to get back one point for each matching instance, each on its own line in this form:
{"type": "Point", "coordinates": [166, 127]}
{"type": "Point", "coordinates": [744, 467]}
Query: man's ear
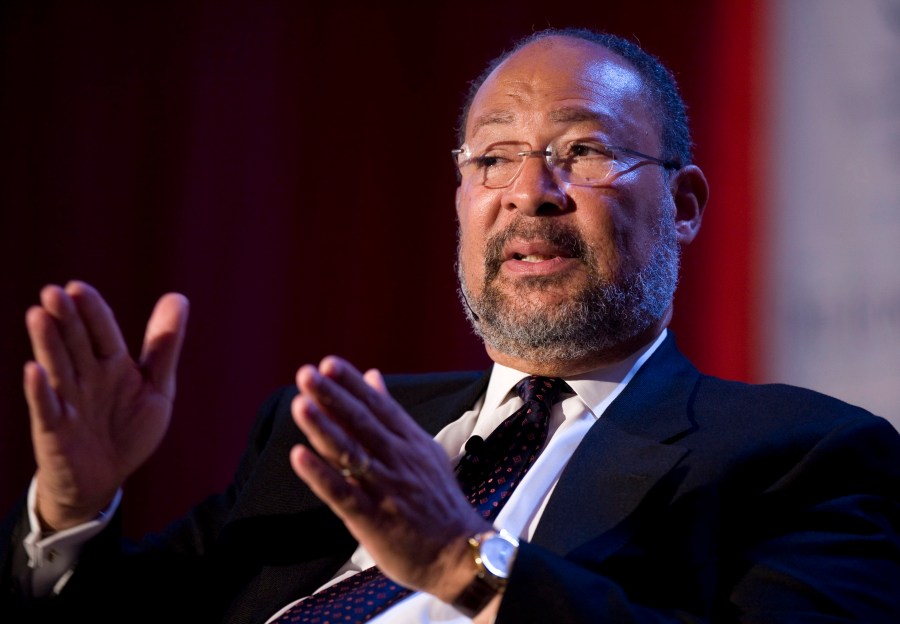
{"type": "Point", "coordinates": [690, 193]}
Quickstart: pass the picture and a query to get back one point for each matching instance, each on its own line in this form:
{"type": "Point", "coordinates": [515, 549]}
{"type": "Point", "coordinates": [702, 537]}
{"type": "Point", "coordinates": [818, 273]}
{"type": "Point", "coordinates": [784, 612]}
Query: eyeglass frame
{"type": "Point", "coordinates": [547, 153]}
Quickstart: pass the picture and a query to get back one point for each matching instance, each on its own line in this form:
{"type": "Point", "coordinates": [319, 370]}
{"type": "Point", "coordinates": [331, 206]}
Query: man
{"type": "Point", "coordinates": [659, 495]}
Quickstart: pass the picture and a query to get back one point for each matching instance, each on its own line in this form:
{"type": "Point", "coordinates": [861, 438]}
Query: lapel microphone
{"type": "Point", "coordinates": [470, 463]}
{"type": "Point", "coordinates": [474, 445]}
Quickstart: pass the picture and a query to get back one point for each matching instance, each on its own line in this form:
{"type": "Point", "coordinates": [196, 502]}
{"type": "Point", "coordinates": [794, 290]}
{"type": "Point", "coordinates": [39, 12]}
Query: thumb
{"type": "Point", "coordinates": [162, 341]}
{"type": "Point", "coordinates": [375, 380]}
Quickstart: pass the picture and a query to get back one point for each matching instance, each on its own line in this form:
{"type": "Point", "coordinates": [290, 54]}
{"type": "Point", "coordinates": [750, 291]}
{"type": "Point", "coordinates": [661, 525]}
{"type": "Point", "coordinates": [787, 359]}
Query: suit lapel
{"type": "Point", "coordinates": [623, 458]}
{"type": "Point", "coordinates": [439, 411]}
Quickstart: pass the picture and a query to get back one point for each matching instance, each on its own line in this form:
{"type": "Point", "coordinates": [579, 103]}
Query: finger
{"type": "Point", "coordinates": [346, 500]}
{"type": "Point", "coordinates": [163, 340]}
{"type": "Point", "coordinates": [377, 402]}
{"type": "Point", "coordinates": [50, 350]}
{"type": "Point", "coordinates": [99, 323]}
{"type": "Point", "coordinates": [329, 440]}
{"type": "Point", "coordinates": [343, 407]}
{"type": "Point", "coordinates": [60, 305]}
{"type": "Point", "coordinates": [401, 426]}
{"type": "Point", "coordinates": [375, 380]}
{"type": "Point", "coordinates": [43, 404]}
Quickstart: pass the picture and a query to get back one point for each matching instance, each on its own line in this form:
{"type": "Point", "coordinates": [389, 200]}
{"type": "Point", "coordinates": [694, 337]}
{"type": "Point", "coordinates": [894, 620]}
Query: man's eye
{"type": "Point", "coordinates": [587, 150]}
{"type": "Point", "coordinates": [488, 160]}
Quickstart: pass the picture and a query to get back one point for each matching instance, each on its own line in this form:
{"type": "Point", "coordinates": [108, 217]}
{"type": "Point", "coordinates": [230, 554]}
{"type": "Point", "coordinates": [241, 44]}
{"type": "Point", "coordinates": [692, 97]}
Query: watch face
{"type": "Point", "coordinates": [497, 555]}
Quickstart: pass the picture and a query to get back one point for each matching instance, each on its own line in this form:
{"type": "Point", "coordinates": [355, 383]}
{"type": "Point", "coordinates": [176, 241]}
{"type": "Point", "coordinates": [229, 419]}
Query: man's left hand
{"type": "Point", "coordinates": [387, 479]}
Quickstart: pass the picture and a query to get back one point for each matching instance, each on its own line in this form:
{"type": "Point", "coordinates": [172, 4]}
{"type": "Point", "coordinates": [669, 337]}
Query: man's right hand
{"type": "Point", "coordinates": [96, 413]}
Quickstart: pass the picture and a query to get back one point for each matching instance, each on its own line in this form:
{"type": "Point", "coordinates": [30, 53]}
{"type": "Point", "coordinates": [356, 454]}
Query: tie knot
{"type": "Point", "coordinates": [544, 390]}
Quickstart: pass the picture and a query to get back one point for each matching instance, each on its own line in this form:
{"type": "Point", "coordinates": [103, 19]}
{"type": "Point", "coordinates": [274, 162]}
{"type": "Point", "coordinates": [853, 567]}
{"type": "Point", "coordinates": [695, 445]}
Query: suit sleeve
{"type": "Point", "coordinates": [119, 574]}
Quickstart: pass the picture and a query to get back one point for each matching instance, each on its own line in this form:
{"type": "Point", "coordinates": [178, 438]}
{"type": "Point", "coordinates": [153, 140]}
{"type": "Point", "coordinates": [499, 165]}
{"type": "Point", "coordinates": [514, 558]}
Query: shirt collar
{"type": "Point", "coordinates": [595, 388]}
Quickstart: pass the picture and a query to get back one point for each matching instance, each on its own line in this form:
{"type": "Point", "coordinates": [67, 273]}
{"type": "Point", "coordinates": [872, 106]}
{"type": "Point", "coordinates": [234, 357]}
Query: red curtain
{"type": "Point", "coordinates": [286, 166]}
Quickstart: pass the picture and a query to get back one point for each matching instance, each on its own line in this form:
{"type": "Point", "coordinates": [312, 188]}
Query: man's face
{"type": "Point", "coordinates": [553, 271]}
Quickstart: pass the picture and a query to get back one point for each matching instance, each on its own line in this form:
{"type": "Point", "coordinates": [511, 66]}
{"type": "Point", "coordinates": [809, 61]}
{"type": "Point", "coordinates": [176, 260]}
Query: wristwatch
{"type": "Point", "coordinates": [493, 553]}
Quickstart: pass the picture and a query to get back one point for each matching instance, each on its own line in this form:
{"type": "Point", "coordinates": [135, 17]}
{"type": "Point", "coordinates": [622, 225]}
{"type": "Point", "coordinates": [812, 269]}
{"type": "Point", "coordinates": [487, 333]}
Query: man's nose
{"type": "Point", "coordinates": [535, 190]}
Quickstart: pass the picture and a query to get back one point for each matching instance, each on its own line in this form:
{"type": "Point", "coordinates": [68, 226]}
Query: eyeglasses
{"type": "Point", "coordinates": [579, 162]}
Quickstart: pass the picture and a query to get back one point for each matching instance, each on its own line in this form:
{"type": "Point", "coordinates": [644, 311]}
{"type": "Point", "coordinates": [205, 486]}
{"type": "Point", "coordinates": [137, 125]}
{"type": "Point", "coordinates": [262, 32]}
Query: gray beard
{"type": "Point", "coordinates": [603, 315]}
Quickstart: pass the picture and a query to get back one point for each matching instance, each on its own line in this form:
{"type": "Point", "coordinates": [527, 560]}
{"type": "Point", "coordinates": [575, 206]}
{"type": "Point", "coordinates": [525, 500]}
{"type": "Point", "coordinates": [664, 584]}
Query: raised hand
{"type": "Point", "coordinates": [96, 413]}
{"type": "Point", "coordinates": [388, 480]}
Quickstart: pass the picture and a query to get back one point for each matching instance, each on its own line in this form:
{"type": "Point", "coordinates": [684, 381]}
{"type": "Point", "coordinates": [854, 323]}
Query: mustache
{"type": "Point", "coordinates": [562, 236]}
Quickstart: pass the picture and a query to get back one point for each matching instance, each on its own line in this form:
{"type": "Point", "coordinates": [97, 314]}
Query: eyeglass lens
{"type": "Point", "coordinates": [577, 163]}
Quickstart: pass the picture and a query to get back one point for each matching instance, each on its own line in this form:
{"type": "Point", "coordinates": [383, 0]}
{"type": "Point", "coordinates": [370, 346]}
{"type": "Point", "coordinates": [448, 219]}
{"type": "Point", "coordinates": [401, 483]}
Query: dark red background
{"type": "Point", "coordinates": [286, 166]}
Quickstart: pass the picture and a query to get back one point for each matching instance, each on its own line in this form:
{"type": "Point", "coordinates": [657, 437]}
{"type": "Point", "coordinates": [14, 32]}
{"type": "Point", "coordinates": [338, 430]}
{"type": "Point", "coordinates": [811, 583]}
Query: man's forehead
{"type": "Point", "coordinates": [559, 115]}
{"type": "Point", "coordinates": [564, 80]}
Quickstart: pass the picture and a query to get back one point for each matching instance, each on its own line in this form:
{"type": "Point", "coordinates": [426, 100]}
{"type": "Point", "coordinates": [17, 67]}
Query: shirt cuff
{"type": "Point", "coordinates": [52, 558]}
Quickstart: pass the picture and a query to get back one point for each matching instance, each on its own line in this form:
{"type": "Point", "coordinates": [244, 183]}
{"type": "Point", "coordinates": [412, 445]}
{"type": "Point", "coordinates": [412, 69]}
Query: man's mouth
{"type": "Point", "coordinates": [532, 257]}
{"type": "Point", "coordinates": [534, 249]}
{"type": "Point", "coordinates": [536, 258]}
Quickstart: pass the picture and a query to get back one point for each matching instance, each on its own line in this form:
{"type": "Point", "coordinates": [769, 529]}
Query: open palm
{"type": "Point", "coordinates": [96, 413]}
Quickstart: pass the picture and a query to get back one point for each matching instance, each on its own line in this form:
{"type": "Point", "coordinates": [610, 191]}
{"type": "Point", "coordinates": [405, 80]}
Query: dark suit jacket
{"type": "Point", "coordinates": [692, 499]}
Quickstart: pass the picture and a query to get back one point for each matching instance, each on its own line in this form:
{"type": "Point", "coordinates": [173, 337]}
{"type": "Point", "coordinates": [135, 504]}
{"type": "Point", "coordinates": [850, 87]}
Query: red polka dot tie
{"type": "Point", "coordinates": [487, 474]}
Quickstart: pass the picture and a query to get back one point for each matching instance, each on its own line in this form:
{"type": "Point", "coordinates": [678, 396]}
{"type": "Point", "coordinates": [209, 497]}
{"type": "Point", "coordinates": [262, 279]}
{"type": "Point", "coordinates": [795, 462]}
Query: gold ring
{"type": "Point", "coordinates": [356, 469]}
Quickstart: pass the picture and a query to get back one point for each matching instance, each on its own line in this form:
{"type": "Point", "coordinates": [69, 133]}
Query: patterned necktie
{"type": "Point", "coordinates": [487, 474]}
{"type": "Point", "coordinates": [490, 473]}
